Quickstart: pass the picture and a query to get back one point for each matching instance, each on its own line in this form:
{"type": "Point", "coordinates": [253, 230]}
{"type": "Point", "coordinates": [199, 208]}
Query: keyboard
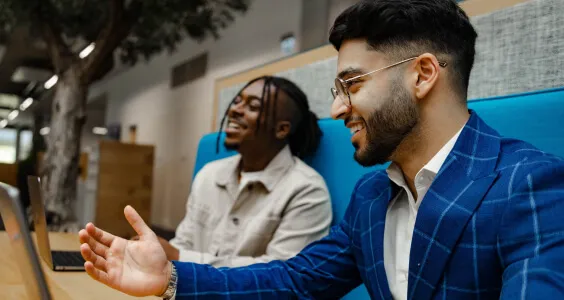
{"type": "Point", "coordinates": [67, 258]}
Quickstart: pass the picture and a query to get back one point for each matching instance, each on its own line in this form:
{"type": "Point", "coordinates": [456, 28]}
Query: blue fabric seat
{"type": "Point", "coordinates": [535, 117]}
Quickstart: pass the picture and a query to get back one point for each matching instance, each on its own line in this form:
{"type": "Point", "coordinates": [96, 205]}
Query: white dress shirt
{"type": "Point", "coordinates": [400, 219]}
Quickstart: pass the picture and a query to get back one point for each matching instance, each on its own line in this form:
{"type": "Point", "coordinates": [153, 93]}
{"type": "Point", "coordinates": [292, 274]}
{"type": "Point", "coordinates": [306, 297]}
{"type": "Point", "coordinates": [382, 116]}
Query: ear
{"type": "Point", "coordinates": [283, 129]}
{"type": "Point", "coordinates": [427, 71]}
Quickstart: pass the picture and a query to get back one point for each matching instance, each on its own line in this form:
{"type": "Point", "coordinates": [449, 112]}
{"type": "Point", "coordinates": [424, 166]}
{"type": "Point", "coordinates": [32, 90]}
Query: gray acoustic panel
{"type": "Point", "coordinates": [519, 49]}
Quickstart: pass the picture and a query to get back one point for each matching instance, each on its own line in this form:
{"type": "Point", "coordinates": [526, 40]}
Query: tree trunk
{"type": "Point", "coordinates": [61, 163]}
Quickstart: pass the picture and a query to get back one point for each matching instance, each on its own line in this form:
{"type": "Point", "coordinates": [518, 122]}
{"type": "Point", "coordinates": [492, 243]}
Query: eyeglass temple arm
{"type": "Point", "coordinates": [441, 64]}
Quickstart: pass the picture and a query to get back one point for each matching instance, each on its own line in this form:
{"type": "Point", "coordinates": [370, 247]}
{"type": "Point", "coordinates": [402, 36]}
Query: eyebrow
{"type": "Point", "coordinates": [247, 97]}
{"type": "Point", "coordinates": [350, 71]}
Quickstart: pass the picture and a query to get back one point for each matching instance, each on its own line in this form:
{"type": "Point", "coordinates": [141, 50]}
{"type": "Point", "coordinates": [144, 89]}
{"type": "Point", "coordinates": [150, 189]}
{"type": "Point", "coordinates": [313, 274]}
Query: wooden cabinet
{"type": "Point", "coordinates": [118, 174]}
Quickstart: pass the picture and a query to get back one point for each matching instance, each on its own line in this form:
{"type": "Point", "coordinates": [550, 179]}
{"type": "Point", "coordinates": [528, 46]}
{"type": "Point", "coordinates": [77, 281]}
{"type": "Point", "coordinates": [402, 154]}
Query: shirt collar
{"type": "Point", "coordinates": [431, 168]}
{"type": "Point", "coordinates": [435, 164]}
{"type": "Point", "coordinates": [268, 177]}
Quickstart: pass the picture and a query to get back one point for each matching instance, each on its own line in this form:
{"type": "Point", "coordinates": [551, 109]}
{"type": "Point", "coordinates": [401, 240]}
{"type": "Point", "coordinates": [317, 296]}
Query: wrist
{"type": "Point", "coordinates": [175, 254]}
{"type": "Point", "coordinates": [167, 279]}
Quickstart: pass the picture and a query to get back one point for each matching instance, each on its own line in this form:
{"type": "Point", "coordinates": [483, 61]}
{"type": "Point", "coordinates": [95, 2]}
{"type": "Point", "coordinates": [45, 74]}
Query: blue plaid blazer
{"type": "Point", "coordinates": [491, 226]}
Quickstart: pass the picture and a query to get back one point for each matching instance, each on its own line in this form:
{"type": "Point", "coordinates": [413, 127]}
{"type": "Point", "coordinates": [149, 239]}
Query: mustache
{"type": "Point", "coordinates": [353, 119]}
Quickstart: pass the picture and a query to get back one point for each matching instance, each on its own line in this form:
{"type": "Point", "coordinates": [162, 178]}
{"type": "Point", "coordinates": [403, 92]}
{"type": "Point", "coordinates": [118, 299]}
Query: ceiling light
{"type": "Point", "coordinates": [100, 130]}
{"type": "Point", "coordinates": [86, 51]}
{"type": "Point", "coordinates": [44, 131]}
{"type": "Point", "coordinates": [51, 82]}
{"type": "Point", "coordinates": [14, 114]}
{"type": "Point", "coordinates": [26, 104]}
{"type": "Point", "coordinates": [3, 123]}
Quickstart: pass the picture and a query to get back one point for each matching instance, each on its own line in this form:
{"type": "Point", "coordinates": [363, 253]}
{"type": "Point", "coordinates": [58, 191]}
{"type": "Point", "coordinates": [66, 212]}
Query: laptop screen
{"type": "Point", "coordinates": [21, 243]}
{"type": "Point", "coordinates": [39, 221]}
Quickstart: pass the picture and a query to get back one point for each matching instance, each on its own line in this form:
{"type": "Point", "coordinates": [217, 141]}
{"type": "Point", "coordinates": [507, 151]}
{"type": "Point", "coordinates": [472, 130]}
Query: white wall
{"type": "Point", "coordinates": [175, 119]}
{"type": "Point", "coordinates": [336, 7]}
{"type": "Point", "coordinates": [314, 25]}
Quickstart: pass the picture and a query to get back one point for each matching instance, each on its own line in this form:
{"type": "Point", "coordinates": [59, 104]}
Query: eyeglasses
{"type": "Point", "coordinates": [341, 88]}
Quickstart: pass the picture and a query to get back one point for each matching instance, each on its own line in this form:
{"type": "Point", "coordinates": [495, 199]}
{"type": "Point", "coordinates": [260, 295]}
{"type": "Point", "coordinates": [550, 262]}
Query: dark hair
{"type": "Point", "coordinates": [305, 138]}
{"type": "Point", "coordinates": [412, 27]}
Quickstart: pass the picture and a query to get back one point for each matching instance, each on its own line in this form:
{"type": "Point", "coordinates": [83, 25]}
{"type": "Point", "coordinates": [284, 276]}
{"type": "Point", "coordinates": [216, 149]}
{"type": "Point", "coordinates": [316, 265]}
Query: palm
{"type": "Point", "coordinates": [136, 264]}
{"type": "Point", "coordinates": [138, 268]}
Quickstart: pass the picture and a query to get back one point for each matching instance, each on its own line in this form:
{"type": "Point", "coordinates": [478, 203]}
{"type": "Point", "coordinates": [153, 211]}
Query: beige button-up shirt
{"type": "Point", "coordinates": [272, 214]}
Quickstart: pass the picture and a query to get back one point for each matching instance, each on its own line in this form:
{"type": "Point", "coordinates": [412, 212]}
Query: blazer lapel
{"type": "Point", "coordinates": [449, 204]}
{"type": "Point", "coordinates": [373, 212]}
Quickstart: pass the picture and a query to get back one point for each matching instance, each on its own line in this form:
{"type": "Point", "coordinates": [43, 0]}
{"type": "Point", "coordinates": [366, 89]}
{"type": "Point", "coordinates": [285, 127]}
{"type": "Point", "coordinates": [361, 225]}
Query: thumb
{"type": "Point", "coordinates": [137, 222]}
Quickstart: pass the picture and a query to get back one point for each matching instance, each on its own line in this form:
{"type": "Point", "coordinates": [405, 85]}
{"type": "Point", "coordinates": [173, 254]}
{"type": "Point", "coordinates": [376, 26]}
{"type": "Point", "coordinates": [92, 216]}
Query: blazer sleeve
{"type": "Point", "coordinates": [531, 236]}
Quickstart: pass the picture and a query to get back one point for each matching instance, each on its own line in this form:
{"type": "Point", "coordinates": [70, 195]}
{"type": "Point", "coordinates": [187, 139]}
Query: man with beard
{"type": "Point", "coordinates": [461, 213]}
{"type": "Point", "coordinates": [264, 203]}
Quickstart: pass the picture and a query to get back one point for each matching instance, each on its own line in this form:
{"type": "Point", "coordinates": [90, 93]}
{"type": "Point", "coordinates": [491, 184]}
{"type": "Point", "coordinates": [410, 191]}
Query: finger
{"type": "Point", "coordinates": [83, 236]}
{"type": "Point", "coordinates": [137, 222]}
{"type": "Point", "coordinates": [100, 235]}
{"type": "Point", "coordinates": [98, 261]}
{"type": "Point", "coordinates": [97, 247]}
{"type": "Point", "coordinates": [98, 275]}
{"type": "Point", "coordinates": [87, 253]}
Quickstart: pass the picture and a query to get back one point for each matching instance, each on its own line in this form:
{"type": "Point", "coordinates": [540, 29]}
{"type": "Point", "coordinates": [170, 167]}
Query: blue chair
{"type": "Point", "coordinates": [535, 117]}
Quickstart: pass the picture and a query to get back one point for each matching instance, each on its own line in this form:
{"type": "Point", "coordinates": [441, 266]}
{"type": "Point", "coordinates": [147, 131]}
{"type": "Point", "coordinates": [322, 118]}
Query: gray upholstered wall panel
{"type": "Point", "coordinates": [519, 49]}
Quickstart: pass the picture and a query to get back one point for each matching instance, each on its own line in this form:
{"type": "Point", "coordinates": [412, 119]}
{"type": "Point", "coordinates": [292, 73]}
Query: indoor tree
{"type": "Point", "coordinates": [126, 29]}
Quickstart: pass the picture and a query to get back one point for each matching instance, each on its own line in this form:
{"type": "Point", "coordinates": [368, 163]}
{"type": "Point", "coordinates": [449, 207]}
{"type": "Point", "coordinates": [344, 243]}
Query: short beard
{"type": "Point", "coordinates": [388, 126]}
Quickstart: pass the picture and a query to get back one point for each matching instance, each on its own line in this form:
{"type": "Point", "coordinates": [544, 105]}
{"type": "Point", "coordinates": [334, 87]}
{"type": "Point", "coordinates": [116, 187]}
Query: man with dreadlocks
{"type": "Point", "coordinates": [265, 203]}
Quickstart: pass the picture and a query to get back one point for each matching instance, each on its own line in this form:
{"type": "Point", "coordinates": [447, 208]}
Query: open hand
{"type": "Point", "coordinates": [138, 268]}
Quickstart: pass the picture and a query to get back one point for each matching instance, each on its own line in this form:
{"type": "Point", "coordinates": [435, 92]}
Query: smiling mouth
{"type": "Point", "coordinates": [233, 125]}
{"type": "Point", "coordinates": [356, 128]}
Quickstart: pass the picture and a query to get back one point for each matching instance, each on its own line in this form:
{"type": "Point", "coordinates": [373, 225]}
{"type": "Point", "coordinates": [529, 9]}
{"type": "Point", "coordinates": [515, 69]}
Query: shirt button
{"type": "Point", "coordinates": [235, 221]}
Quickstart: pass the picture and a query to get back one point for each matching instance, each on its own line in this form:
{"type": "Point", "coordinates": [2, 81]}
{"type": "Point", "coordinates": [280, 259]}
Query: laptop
{"type": "Point", "coordinates": [56, 260]}
{"type": "Point", "coordinates": [22, 244]}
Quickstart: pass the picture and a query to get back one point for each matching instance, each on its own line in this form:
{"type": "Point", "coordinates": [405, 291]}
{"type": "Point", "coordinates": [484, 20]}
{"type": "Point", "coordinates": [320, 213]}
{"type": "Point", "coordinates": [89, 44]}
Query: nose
{"type": "Point", "coordinates": [236, 109]}
{"type": "Point", "coordinates": [339, 110]}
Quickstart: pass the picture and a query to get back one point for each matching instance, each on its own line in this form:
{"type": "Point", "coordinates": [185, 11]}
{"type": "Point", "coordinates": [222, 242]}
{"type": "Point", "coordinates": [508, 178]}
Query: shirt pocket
{"type": "Point", "coordinates": [264, 226]}
{"type": "Point", "coordinates": [258, 234]}
{"type": "Point", "coordinates": [201, 215]}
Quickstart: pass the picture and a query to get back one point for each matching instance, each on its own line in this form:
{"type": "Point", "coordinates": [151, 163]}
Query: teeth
{"type": "Point", "coordinates": [233, 125]}
{"type": "Point", "coordinates": [356, 128]}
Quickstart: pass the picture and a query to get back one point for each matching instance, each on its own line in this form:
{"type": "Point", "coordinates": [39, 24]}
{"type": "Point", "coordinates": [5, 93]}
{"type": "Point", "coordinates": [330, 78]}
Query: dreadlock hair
{"type": "Point", "coordinates": [305, 138]}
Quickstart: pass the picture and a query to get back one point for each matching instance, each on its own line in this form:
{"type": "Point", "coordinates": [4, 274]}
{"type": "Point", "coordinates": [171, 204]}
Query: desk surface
{"type": "Point", "coordinates": [63, 285]}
